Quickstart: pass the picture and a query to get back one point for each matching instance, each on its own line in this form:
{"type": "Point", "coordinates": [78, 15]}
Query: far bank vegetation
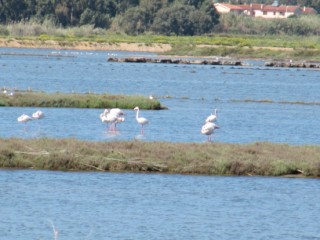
{"type": "Point", "coordinates": [192, 28]}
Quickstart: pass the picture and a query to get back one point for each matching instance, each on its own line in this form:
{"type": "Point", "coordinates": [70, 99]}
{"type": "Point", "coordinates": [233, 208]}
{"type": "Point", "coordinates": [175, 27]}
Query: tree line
{"type": "Point", "coordinates": [168, 17]}
{"type": "Point", "coordinates": [161, 17]}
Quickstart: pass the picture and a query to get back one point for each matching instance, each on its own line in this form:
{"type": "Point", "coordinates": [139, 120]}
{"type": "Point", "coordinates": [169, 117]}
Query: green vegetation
{"type": "Point", "coordinates": [134, 17]}
{"type": "Point", "coordinates": [261, 158]}
{"type": "Point", "coordinates": [77, 100]}
{"type": "Point", "coordinates": [178, 17]}
{"type": "Point", "coordinates": [239, 46]}
{"type": "Point", "coordinates": [191, 27]}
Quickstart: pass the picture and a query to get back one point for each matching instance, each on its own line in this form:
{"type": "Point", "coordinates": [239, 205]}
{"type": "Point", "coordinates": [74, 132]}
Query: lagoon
{"type": "Point", "coordinates": [191, 92]}
{"type": "Point", "coordinates": [102, 206]}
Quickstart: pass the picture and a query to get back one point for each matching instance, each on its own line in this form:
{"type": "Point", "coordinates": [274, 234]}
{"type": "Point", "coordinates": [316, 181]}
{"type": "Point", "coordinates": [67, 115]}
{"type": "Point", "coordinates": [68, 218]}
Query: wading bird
{"type": "Point", "coordinates": [115, 111]}
{"type": "Point", "coordinates": [212, 117]}
{"type": "Point", "coordinates": [112, 117]}
{"type": "Point", "coordinates": [38, 115]}
{"type": "Point", "coordinates": [24, 118]}
{"type": "Point", "coordinates": [208, 129]}
{"type": "Point", "coordinates": [141, 120]}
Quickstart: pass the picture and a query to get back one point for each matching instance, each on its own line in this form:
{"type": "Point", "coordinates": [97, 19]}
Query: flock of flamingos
{"type": "Point", "coordinates": [114, 116]}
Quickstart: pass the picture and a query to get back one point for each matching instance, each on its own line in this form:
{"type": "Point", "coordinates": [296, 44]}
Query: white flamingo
{"type": "Point", "coordinates": [141, 120]}
{"type": "Point", "coordinates": [24, 118]}
{"type": "Point", "coordinates": [38, 115]}
{"type": "Point", "coordinates": [112, 118]}
{"type": "Point", "coordinates": [208, 129]}
{"type": "Point", "coordinates": [212, 117]}
{"type": "Point", "coordinates": [115, 111]}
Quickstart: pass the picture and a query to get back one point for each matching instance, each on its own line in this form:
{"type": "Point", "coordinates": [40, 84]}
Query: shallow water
{"type": "Point", "coordinates": [191, 92]}
{"type": "Point", "coordinates": [156, 206]}
{"type": "Point", "coordinates": [159, 206]}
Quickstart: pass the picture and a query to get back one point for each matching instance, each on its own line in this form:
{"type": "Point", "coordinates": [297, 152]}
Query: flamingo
{"type": "Point", "coordinates": [108, 118]}
{"type": "Point", "coordinates": [38, 115]}
{"type": "Point", "coordinates": [115, 111]}
{"type": "Point", "coordinates": [212, 117]}
{"type": "Point", "coordinates": [111, 118]}
{"type": "Point", "coordinates": [24, 118]}
{"type": "Point", "coordinates": [141, 120]}
{"type": "Point", "coordinates": [208, 129]}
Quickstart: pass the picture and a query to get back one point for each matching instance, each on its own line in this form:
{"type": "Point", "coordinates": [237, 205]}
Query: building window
{"type": "Point", "coordinates": [264, 13]}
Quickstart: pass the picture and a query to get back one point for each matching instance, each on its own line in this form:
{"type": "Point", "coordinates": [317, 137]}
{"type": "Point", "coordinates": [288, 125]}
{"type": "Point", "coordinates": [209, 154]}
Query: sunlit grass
{"type": "Point", "coordinates": [233, 45]}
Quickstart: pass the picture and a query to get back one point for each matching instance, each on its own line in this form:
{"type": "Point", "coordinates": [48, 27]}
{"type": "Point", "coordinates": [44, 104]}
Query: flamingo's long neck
{"type": "Point", "coordinates": [215, 112]}
{"type": "Point", "coordinates": [137, 114]}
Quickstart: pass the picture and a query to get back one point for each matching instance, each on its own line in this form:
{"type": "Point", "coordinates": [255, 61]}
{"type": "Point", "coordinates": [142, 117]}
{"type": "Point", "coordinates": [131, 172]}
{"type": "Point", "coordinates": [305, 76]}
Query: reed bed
{"type": "Point", "coordinates": [77, 100]}
{"type": "Point", "coordinates": [260, 158]}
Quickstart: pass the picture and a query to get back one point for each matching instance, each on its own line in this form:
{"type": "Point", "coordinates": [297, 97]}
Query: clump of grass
{"type": "Point", "coordinates": [77, 100]}
{"type": "Point", "coordinates": [261, 158]}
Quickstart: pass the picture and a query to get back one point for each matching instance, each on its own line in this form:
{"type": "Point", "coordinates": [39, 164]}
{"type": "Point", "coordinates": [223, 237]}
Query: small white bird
{"type": "Point", "coordinates": [24, 118]}
{"type": "Point", "coordinates": [208, 129]}
{"type": "Point", "coordinates": [212, 117]}
{"type": "Point", "coordinates": [141, 120]}
{"type": "Point", "coordinates": [38, 115]}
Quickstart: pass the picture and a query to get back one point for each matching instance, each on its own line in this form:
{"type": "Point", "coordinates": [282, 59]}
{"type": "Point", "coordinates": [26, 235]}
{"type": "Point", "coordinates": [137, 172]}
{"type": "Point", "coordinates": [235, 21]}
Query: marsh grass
{"type": "Point", "coordinates": [261, 158]}
{"type": "Point", "coordinates": [77, 100]}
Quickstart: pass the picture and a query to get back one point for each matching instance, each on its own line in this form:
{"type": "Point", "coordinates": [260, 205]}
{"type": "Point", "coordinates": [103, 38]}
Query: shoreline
{"type": "Point", "coordinates": [85, 45]}
{"type": "Point", "coordinates": [159, 48]}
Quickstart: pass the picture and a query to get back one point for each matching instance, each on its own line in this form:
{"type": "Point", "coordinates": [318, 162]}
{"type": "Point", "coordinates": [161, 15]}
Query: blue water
{"type": "Point", "coordinates": [98, 206]}
{"type": "Point", "coordinates": [156, 206]}
{"type": "Point", "coordinates": [191, 92]}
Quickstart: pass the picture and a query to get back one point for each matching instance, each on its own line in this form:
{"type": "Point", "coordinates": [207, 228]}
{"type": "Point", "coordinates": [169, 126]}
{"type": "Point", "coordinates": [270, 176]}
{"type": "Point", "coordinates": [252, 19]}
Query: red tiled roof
{"type": "Point", "coordinates": [232, 7]}
{"type": "Point", "coordinates": [268, 8]}
{"type": "Point", "coordinates": [308, 10]}
{"type": "Point", "coordinates": [288, 8]}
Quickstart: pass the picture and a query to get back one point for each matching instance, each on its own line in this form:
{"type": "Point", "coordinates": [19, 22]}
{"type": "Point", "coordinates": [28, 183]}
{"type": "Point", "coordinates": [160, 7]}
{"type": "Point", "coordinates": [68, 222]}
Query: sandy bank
{"type": "Point", "coordinates": [85, 45]}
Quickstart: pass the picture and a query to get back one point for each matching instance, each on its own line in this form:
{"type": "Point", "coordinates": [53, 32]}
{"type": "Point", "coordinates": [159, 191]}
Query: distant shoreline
{"type": "Point", "coordinates": [159, 48]}
{"type": "Point", "coordinates": [85, 45]}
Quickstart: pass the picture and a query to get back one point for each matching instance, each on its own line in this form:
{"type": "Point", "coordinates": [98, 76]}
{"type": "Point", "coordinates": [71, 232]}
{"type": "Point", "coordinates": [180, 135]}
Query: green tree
{"type": "Point", "coordinates": [135, 21]}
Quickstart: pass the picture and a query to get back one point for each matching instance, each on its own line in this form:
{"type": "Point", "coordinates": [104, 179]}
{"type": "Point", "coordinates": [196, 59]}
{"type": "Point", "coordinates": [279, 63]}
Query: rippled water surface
{"type": "Point", "coordinates": [99, 206]}
{"type": "Point", "coordinates": [156, 206]}
{"type": "Point", "coordinates": [191, 92]}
